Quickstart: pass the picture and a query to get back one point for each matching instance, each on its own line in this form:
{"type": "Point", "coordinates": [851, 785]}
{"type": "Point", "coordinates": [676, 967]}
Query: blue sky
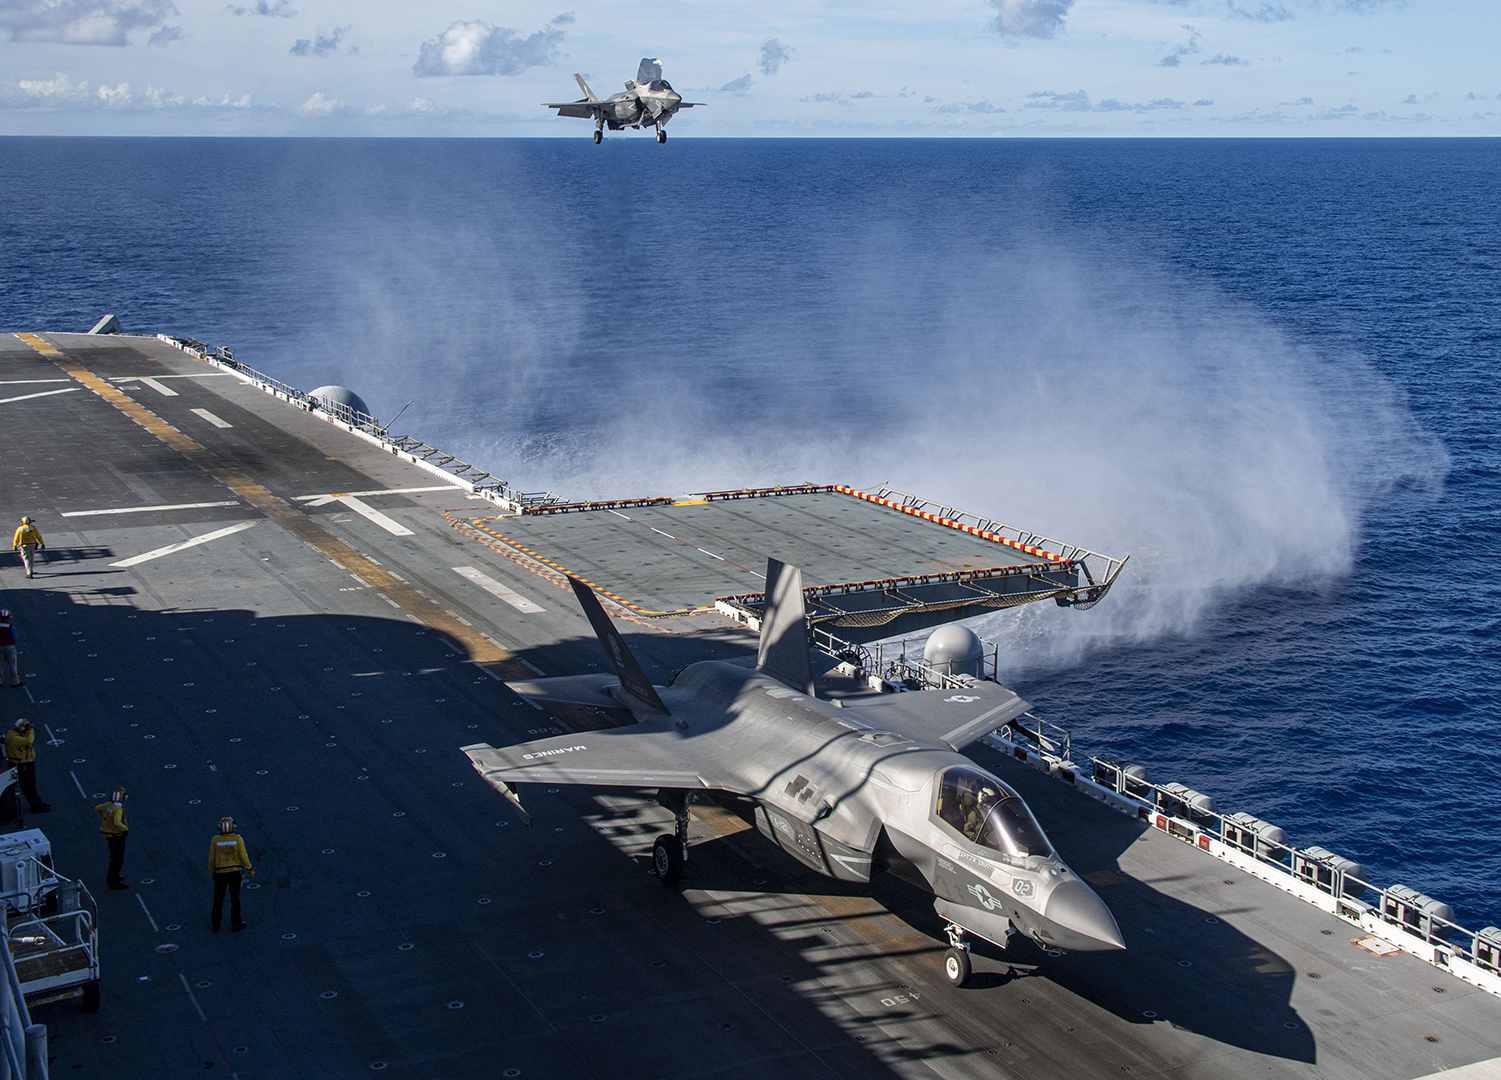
{"type": "Point", "coordinates": [780, 68]}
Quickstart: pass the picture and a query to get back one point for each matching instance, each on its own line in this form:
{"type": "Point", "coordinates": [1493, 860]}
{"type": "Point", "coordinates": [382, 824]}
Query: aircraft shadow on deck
{"type": "Point", "coordinates": [1236, 992]}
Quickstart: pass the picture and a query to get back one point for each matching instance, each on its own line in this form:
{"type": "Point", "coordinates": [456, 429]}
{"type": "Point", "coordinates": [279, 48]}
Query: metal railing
{"type": "Point", "coordinates": [1100, 571]}
{"type": "Point", "coordinates": [1399, 916]}
{"type": "Point", "coordinates": [23, 1045]}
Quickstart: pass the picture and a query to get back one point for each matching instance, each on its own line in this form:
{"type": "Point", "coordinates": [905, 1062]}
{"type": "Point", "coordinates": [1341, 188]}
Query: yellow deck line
{"type": "Point", "coordinates": [480, 648]}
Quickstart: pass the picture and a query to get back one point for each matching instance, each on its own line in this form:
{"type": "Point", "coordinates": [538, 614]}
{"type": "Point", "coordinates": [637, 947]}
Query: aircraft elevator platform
{"type": "Point", "coordinates": [874, 564]}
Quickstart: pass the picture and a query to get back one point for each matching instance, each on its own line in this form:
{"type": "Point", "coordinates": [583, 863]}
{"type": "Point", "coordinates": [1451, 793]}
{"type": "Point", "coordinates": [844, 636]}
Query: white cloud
{"type": "Point", "coordinates": [1029, 18]}
{"type": "Point", "coordinates": [737, 86]}
{"type": "Point", "coordinates": [1077, 101]}
{"type": "Point", "coordinates": [477, 48]}
{"type": "Point", "coordinates": [165, 36]}
{"type": "Point", "coordinates": [81, 22]}
{"type": "Point", "coordinates": [773, 55]}
{"type": "Point", "coordinates": [320, 44]}
{"type": "Point", "coordinates": [320, 105]}
{"type": "Point", "coordinates": [969, 107]}
{"type": "Point", "coordinates": [1188, 48]}
{"type": "Point", "coordinates": [282, 9]}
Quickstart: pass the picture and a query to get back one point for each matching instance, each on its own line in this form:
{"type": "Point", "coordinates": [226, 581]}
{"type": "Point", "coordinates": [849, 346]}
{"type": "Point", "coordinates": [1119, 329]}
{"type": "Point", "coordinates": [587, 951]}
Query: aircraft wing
{"type": "Point", "coordinates": [584, 110]}
{"type": "Point", "coordinates": [653, 754]}
{"type": "Point", "coordinates": [954, 718]}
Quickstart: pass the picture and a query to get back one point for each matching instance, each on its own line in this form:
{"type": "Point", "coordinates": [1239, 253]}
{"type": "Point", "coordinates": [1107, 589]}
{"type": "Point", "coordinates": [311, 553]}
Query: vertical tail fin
{"type": "Point", "coordinates": [588, 94]}
{"type": "Point", "coordinates": [632, 679]}
{"type": "Point", "coordinates": [784, 628]}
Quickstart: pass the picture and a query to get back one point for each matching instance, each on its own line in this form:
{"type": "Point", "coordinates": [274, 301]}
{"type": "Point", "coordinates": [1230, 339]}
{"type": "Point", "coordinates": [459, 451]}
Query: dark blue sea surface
{"type": "Point", "coordinates": [1264, 369]}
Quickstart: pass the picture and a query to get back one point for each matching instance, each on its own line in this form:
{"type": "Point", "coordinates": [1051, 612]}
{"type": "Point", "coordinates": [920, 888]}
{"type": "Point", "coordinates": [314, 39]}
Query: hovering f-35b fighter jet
{"type": "Point", "coordinates": [849, 788]}
{"type": "Point", "coordinates": [648, 100]}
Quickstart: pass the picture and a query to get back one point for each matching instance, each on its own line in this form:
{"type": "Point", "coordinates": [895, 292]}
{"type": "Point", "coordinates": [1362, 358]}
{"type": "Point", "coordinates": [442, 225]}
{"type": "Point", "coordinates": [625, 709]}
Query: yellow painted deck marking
{"type": "Point", "coordinates": [481, 649]}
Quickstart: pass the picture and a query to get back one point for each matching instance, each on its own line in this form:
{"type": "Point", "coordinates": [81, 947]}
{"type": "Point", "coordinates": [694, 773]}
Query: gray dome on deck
{"type": "Point", "coordinates": [340, 395]}
{"type": "Point", "coordinates": [954, 650]}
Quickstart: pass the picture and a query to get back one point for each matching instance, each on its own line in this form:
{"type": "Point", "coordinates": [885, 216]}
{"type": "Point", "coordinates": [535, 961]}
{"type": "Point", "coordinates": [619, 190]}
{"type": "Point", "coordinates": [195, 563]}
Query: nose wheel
{"type": "Point", "coordinates": [956, 965]}
{"type": "Point", "coordinates": [599, 137]}
{"type": "Point", "coordinates": [661, 134]}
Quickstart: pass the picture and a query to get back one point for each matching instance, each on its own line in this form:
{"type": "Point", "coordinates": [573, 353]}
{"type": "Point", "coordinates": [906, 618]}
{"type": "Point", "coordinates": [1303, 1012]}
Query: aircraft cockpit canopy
{"type": "Point", "coordinates": [985, 811]}
{"type": "Point", "coordinates": [659, 85]}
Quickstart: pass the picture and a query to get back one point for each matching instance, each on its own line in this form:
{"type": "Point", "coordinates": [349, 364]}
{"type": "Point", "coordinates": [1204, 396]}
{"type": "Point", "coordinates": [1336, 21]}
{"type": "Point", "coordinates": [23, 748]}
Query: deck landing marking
{"type": "Point", "coordinates": [164, 391]}
{"type": "Point", "coordinates": [194, 542]}
{"type": "Point", "coordinates": [43, 393]}
{"type": "Point", "coordinates": [495, 588]}
{"type": "Point", "coordinates": [28, 382]}
{"type": "Point", "coordinates": [143, 509]}
{"type": "Point", "coordinates": [205, 414]}
{"type": "Point", "coordinates": [320, 500]}
{"type": "Point", "coordinates": [364, 509]}
{"type": "Point", "coordinates": [395, 592]}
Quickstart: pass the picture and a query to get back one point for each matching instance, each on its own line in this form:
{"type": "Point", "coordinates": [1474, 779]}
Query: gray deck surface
{"type": "Point", "coordinates": [402, 915]}
{"type": "Point", "coordinates": [671, 558]}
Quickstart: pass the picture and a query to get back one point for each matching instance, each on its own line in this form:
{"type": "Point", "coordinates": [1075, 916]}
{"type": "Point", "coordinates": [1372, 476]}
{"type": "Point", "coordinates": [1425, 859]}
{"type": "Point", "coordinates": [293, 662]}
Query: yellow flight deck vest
{"type": "Point", "coordinates": [226, 852]}
{"type": "Point", "coordinates": [18, 747]}
{"type": "Point", "coordinates": [112, 819]}
{"type": "Point", "coordinates": [26, 536]}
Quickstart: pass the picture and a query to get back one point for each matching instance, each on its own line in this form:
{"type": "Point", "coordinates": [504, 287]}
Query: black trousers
{"type": "Point", "coordinates": [26, 777]}
{"type": "Point", "coordinates": [228, 881]}
{"type": "Point", "coordinates": [116, 858]}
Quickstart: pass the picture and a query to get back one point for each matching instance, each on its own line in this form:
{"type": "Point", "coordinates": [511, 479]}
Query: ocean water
{"type": "Point", "coordinates": [1264, 369]}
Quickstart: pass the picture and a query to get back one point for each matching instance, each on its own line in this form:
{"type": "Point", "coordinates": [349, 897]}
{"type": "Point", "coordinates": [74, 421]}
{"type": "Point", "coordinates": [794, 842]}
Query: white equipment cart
{"type": "Point", "coordinates": [51, 924]}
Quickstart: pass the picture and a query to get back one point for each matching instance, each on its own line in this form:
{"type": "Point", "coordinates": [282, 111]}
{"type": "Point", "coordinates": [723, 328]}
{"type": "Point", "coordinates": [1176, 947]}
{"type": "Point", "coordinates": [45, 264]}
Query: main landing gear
{"type": "Point", "coordinates": [599, 136]}
{"type": "Point", "coordinates": [670, 851]}
{"type": "Point", "coordinates": [956, 965]}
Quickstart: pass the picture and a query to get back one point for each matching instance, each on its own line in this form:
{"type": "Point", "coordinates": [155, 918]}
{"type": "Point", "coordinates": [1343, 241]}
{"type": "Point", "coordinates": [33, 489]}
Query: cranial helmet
{"type": "Point", "coordinates": [26, 521]}
{"type": "Point", "coordinates": [118, 795]}
{"type": "Point", "coordinates": [23, 724]}
{"type": "Point", "coordinates": [226, 824]}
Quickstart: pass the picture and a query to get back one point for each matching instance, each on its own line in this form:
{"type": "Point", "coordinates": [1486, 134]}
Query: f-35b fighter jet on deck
{"type": "Point", "coordinates": [649, 100]}
{"type": "Point", "coordinates": [849, 788]}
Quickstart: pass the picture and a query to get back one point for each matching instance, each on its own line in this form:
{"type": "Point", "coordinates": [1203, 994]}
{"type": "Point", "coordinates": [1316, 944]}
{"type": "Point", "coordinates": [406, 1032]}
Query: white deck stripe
{"type": "Point", "coordinates": [210, 417]}
{"type": "Point", "coordinates": [391, 525]}
{"type": "Point", "coordinates": [144, 509]}
{"type": "Point", "coordinates": [362, 494]}
{"type": "Point", "coordinates": [170, 548]}
{"type": "Point", "coordinates": [202, 375]}
{"type": "Point", "coordinates": [20, 382]}
{"type": "Point", "coordinates": [495, 588]}
{"type": "Point", "coordinates": [164, 391]}
{"type": "Point", "coordinates": [44, 393]}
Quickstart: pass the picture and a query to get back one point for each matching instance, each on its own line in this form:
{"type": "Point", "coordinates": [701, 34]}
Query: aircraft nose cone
{"type": "Point", "coordinates": [1081, 921]}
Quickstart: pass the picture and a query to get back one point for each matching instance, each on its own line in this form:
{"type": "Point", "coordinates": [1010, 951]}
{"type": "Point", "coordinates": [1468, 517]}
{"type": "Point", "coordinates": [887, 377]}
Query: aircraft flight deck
{"type": "Point", "coordinates": [254, 607]}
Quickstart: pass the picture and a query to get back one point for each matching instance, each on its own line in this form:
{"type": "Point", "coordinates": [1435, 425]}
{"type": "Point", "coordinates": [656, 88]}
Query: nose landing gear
{"type": "Point", "coordinates": [599, 137]}
{"type": "Point", "coordinates": [956, 966]}
{"type": "Point", "coordinates": [661, 134]}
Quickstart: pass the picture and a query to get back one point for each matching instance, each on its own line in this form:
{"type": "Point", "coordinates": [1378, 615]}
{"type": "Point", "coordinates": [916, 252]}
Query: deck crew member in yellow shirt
{"type": "Point", "coordinates": [28, 542]}
{"type": "Point", "coordinates": [226, 860]}
{"type": "Point", "coordinates": [113, 828]}
{"type": "Point", "coordinates": [21, 755]}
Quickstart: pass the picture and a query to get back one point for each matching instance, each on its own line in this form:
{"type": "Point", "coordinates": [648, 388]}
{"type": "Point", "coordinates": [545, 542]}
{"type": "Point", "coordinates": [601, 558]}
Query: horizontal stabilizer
{"type": "Point", "coordinates": [614, 757]}
{"type": "Point", "coordinates": [954, 718]}
{"type": "Point", "coordinates": [592, 690]}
